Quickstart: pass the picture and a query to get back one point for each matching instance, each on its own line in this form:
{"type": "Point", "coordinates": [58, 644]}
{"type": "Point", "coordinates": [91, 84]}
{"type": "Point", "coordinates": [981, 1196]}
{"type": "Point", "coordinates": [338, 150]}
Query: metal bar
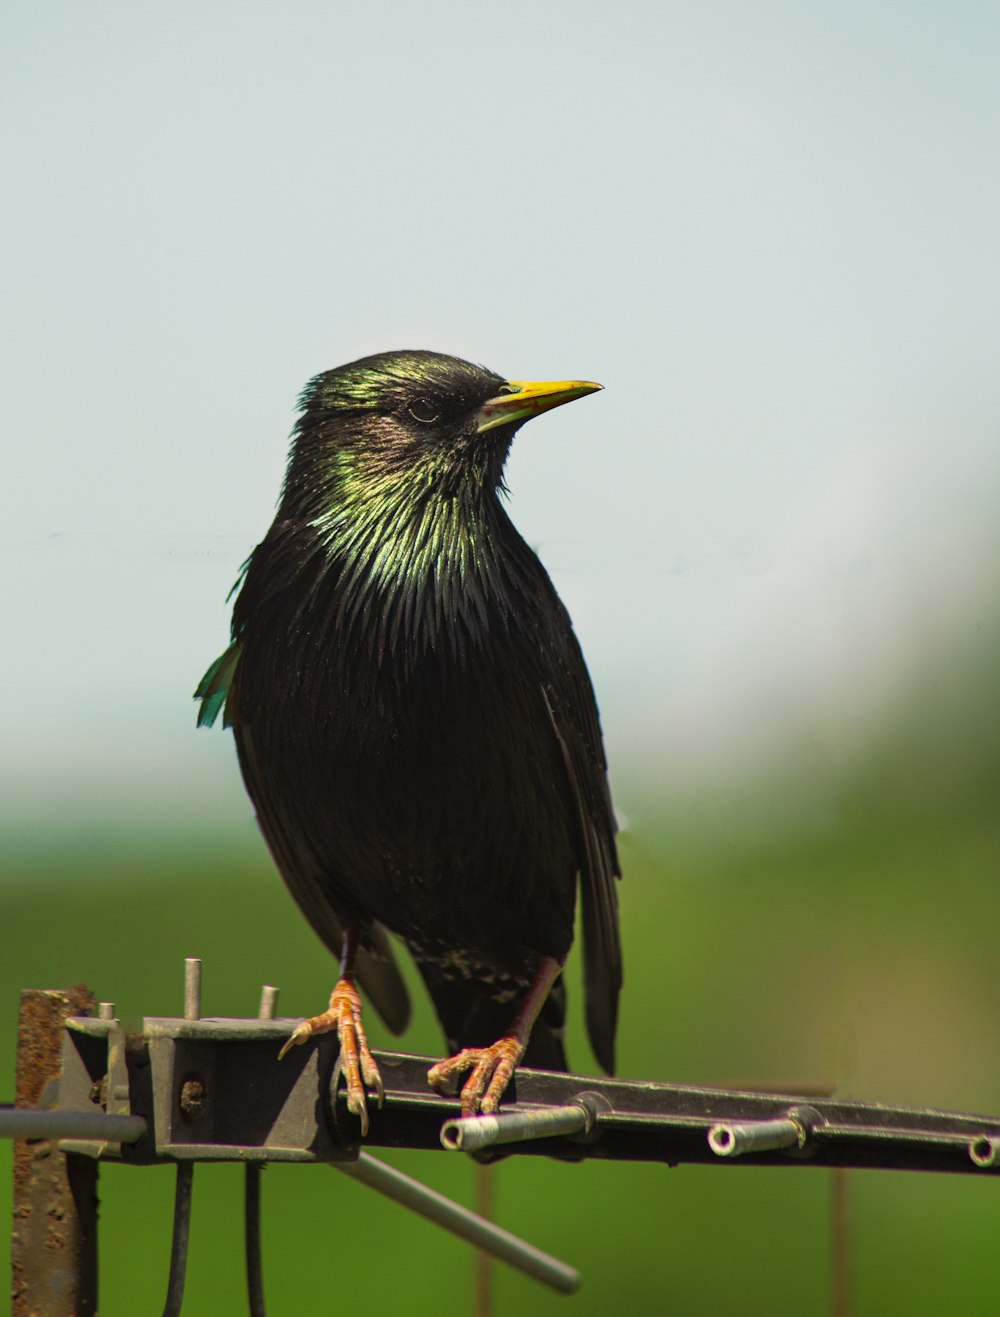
{"type": "Point", "coordinates": [30, 1123]}
{"type": "Point", "coordinates": [287, 1117]}
{"type": "Point", "coordinates": [460, 1221]}
{"type": "Point", "coordinates": [179, 1242]}
{"type": "Point", "coordinates": [251, 1230]}
{"type": "Point", "coordinates": [54, 1244]}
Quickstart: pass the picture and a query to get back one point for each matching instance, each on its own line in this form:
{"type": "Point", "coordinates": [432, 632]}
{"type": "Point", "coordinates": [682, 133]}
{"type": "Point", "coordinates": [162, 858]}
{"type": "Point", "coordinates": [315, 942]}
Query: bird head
{"type": "Point", "coordinates": [436, 421]}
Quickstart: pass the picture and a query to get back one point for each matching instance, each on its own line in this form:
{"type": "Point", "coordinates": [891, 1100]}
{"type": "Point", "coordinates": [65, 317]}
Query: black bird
{"type": "Point", "coordinates": [416, 727]}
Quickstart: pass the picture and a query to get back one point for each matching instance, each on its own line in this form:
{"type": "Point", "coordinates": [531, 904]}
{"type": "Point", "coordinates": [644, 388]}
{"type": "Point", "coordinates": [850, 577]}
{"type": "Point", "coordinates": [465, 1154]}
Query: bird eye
{"type": "Point", "coordinates": [423, 410]}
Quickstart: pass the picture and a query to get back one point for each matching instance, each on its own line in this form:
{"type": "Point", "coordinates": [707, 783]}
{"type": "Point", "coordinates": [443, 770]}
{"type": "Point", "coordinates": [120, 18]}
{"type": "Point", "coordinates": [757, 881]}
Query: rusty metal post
{"type": "Point", "coordinates": [54, 1245]}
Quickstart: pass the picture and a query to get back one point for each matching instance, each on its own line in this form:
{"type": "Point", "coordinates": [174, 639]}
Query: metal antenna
{"type": "Point", "coordinates": [213, 1090]}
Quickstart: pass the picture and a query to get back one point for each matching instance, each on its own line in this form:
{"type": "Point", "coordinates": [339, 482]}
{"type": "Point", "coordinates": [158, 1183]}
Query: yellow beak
{"type": "Point", "coordinates": [527, 398]}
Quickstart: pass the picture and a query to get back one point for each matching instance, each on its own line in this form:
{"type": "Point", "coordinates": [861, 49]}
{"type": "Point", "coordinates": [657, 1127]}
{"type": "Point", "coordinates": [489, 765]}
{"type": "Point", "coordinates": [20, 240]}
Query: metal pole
{"type": "Point", "coordinates": [251, 1193]}
{"type": "Point", "coordinates": [20, 1123]}
{"type": "Point", "coordinates": [179, 1245]}
{"type": "Point", "coordinates": [460, 1221]}
{"type": "Point", "coordinates": [483, 1265]}
{"type": "Point", "coordinates": [54, 1246]}
{"type": "Point", "coordinates": [842, 1296]}
{"type": "Point", "coordinates": [251, 1231]}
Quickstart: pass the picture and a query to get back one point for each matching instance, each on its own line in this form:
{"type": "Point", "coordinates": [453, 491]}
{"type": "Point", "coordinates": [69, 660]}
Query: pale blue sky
{"type": "Point", "coordinates": [770, 230]}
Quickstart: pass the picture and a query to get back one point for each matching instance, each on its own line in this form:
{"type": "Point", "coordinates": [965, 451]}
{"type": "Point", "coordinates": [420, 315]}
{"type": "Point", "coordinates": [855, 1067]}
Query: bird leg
{"type": "Point", "coordinates": [344, 1015]}
{"type": "Point", "coordinates": [492, 1067]}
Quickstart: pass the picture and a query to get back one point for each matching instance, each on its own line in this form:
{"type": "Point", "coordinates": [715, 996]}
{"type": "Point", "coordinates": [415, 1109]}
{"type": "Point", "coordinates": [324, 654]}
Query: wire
{"type": "Point", "coordinates": [179, 1243]}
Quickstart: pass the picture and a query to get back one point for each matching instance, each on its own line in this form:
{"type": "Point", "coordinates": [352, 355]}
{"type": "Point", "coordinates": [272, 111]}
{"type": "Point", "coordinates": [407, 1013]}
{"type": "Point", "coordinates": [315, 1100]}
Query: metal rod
{"type": "Point", "coordinates": [179, 1243]}
{"type": "Point", "coordinates": [268, 1002]}
{"type": "Point", "coordinates": [192, 988]}
{"type": "Point", "coordinates": [28, 1123]}
{"type": "Point", "coordinates": [251, 1228]}
{"type": "Point", "coordinates": [460, 1221]}
{"type": "Point", "coordinates": [470, 1133]}
{"type": "Point", "coordinates": [733, 1139]}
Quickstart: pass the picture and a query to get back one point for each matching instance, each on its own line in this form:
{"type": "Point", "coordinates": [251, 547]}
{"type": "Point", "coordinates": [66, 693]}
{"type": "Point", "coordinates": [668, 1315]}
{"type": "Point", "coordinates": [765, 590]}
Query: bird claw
{"type": "Point", "coordinates": [492, 1069]}
{"type": "Point", "coordinates": [357, 1065]}
{"type": "Point", "coordinates": [300, 1034]}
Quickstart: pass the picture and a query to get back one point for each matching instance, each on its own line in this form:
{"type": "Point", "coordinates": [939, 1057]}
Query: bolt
{"type": "Point", "coordinates": [268, 1002]}
{"type": "Point", "coordinates": [192, 1097]}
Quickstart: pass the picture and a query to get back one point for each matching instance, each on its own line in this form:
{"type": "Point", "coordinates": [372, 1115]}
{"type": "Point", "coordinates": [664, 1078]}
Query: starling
{"type": "Point", "coordinates": [416, 726]}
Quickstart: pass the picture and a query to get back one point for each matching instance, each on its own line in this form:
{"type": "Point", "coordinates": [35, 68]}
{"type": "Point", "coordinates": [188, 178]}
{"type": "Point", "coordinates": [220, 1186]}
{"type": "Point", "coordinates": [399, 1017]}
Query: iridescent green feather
{"type": "Point", "coordinates": [427, 555]}
{"type": "Point", "coordinates": [213, 689]}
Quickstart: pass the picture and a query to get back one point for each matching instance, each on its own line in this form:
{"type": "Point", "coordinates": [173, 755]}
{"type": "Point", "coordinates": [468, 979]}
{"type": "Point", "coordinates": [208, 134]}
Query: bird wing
{"type": "Point", "coordinates": [572, 710]}
{"type": "Point", "coordinates": [376, 965]}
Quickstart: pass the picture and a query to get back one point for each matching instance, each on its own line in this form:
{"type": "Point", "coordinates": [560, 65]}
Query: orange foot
{"type": "Point", "coordinates": [492, 1068]}
{"type": "Point", "coordinates": [356, 1062]}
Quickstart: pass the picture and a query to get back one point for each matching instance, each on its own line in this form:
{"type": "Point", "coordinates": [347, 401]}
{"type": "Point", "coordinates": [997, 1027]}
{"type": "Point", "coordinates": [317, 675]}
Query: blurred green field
{"type": "Point", "coordinates": [860, 949]}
